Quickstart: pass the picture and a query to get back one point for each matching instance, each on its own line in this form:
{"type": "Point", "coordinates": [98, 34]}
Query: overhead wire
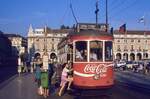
{"type": "Point", "coordinates": [113, 5]}
{"type": "Point", "coordinates": [122, 10]}
{"type": "Point", "coordinates": [64, 15]}
{"type": "Point", "coordinates": [115, 10]}
{"type": "Point", "coordinates": [69, 9]}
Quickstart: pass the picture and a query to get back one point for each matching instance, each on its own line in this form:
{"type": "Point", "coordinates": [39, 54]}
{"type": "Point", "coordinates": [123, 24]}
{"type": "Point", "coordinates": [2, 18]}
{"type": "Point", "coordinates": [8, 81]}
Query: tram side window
{"type": "Point", "coordinates": [96, 51]}
{"type": "Point", "coordinates": [108, 51]}
{"type": "Point", "coordinates": [81, 51]}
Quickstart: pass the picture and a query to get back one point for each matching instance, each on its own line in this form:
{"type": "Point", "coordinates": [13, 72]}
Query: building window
{"type": "Point", "coordinates": [138, 40]}
{"type": "Point", "coordinates": [132, 40]}
{"type": "Point", "coordinates": [96, 50]}
{"type": "Point", "coordinates": [132, 48]}
{"type": "Point", "coordinates": [81, 51]}
{"type": "Point", "coordinates": [118, 40]}
{"type": "Point", "coordinates": [145, 41]}
{"type": "Point", "coordinates": [55, 34]}
{"type": "Point", "coordinates": [108, 51]}
{"type": "Point", "coordinates": [52, 39]}
{"type": "Point", "coordinates": [125, 41]}
{"type": "Point", "coordinates": [118, 48]}
{"type": "Point", "coordinates": [125, 48]}
{"type": "Point", "coordinates": [52, 46]}
{"type": "Point", "coordinates": [139, 48]}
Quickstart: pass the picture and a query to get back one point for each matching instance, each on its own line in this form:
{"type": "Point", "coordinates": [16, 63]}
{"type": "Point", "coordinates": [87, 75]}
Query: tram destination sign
{"type": "Point", "coordinates": [91, 26]}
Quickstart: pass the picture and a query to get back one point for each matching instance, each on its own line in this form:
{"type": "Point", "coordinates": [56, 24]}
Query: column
{"type": "Point", "coordinates": [122, 56]}
{"type": "Point", "coordinates": [135, 56]}
{"type": "Point", "coordinates": [129, 58]}
{"type": "Point", "coordinates": [114, 56]}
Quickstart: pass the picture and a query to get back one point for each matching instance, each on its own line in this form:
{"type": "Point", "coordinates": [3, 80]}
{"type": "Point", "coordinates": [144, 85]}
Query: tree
{"type": "Point", "coordinates": [64, 27]}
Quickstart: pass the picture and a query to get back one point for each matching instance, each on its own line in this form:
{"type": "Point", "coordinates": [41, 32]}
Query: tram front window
{"type": "Point", "coordinates": [96, 50]}
{"type": "Point", "coordinates": [81, 51]}
{"type": "Point", "coordinates": [108, 51]}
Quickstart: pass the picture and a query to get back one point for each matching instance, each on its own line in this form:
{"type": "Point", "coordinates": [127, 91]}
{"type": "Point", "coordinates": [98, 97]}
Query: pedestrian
{"type": "Point", "coordinates": [45, 82]}
{"type": "Point", "coordinates": [70, 75]}
{"type": "Point", "coordinates": [50, 74]}
{"type": "Point", "coordinates": [58, 75]}
{"type": "Point", "coordinates": [64, 79]}
{"type": "Point", "coordinates": [38, 65]}
{"type": "Point", "coordinates": [31, 68]}
{"type": "Point", "coordinates": [19, 66]}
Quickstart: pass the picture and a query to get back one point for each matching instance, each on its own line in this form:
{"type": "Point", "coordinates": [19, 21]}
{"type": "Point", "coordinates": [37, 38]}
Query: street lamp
{"type": "Point", "coordinates": [143, 20]}
{"type": "Point", "coordinates": [45, 55]}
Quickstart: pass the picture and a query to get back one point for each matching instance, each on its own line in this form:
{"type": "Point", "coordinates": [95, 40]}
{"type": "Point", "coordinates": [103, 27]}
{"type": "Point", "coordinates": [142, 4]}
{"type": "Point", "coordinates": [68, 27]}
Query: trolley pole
{"type": "Point", "coordinates": [96, 13]}
{"type": "Point", "coordinates": [106, 15]}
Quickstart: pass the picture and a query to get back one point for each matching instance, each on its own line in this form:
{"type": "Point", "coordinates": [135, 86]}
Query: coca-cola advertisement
{"type": "Point", "coordinates": [93, 74]}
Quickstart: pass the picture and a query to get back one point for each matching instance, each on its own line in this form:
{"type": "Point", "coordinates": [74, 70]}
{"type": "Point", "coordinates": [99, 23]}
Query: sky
{"type": "Point", "coordinates": [17, 15]}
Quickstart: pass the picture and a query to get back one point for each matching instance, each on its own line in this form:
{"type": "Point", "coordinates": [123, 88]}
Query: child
{"type": "Point", "coordinates": [64, 79]}
{"type": "Point", "coordinates": [70, 75]}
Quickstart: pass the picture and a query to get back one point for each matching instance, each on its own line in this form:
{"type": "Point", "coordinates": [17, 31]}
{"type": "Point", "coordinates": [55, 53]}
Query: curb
{"type": "Point", "coordinates": [3, 84]}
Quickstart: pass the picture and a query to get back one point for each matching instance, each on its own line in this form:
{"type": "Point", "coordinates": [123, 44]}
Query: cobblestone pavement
{"type": "Point", "coordinates": [24, 87]}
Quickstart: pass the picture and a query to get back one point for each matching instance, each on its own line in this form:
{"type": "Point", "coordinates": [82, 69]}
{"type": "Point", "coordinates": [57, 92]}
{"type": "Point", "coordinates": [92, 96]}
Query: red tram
{"type": "Point", "coordinates": [90, 51]}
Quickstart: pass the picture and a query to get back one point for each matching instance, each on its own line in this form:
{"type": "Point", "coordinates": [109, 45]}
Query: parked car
{"type": "Point", "coordinates": [121, 65]}
{"type": "Point", "coordinates": [131, 64]}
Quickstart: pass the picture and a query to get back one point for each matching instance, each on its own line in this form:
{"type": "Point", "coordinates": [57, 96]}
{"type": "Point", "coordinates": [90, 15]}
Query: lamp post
{"type": "Point", "coordinates": [145, 39]}
{"type": "Point", "coordinates": [143, 20]}
{"type": "Point", "coordinates": [45, 55]}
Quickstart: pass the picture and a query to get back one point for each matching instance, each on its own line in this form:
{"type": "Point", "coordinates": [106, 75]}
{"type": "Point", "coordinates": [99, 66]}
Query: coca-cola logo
{"type": "Point", "coordinates": [96, 69]}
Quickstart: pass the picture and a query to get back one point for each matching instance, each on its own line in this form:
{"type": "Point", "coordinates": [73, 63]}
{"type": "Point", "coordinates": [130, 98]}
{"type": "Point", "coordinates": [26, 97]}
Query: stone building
{"type": "Point", "coordinates": [131, 45]}
{"type": "Point", "coordinates": [18, 43]}
{"type": "Point", "coordinates": [5, 49]}
{"type": "Point", "coordinates": [18, 47]}
{"type": "Point", "coordinates": [37, 41]}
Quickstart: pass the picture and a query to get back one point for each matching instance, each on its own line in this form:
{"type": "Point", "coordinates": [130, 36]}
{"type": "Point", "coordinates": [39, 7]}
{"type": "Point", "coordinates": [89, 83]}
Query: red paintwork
{"type": "Point", "coordinates": [89, 82]}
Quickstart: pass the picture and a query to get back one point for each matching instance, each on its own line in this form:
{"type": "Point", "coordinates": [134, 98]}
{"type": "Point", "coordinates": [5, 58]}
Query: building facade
{"type": "Point", "coordinates": [131, 45]}
{"type": "Point", "coordinates": [18, 43]}
{"type": "Point", "coordinates": [37, 41]}
{"type": "Point", "coordinates": [5, 49]}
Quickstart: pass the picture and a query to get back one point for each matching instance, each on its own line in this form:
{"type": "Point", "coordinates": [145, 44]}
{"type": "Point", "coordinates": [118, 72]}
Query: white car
{"type": "Point", "coordinates": [120, 64]}
{"type": "Point", "coordinates": [130, 64]}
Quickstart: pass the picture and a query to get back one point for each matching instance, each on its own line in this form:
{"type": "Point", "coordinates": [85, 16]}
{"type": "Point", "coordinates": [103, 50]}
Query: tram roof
{"type": "Point", "coordinates": [90, 33]}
